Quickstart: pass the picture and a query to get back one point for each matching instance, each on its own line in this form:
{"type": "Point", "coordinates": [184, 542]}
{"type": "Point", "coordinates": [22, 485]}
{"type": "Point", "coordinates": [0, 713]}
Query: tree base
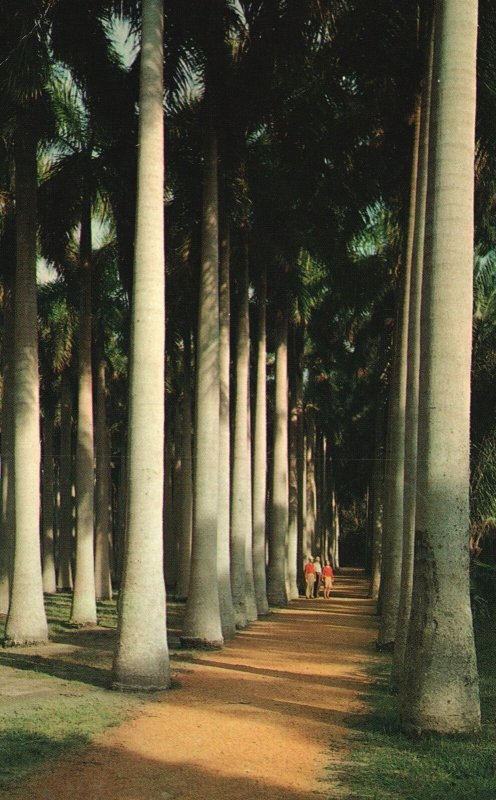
{"type": "Point", "coordinates": [7, 642]}
{"type": "Point", "coordinates": [119, 686]}
{"type": "Point", "coordinates": [195, 643]}
{"type": "Point", "coordinates": [384, 647]}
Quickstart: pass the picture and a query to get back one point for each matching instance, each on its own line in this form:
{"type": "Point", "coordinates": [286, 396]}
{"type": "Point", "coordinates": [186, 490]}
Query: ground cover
{"type": "Point", "coordinates": [387, 765]}
{"type": "Point", "coordinates": [54, 699]}
{"type": "Point", "coordinates": [250, 722]}
{"type": "Point", "coordinates": [260, 719]}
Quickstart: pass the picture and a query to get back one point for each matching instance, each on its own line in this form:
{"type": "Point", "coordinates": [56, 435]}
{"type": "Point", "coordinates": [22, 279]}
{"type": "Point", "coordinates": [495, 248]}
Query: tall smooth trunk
{"type": "Point", "coordinates": [292, 573]}
{"type": "Point", "coordinates": [241, 508]}
{"type": "Point", "coordinates": [392, 549]}
{"type": "Point", "coordinates": [103, 583]}
{"type": "Point", "coordinates": [26, 621]}
{"type": "Point", "coordinates": [141, 659]}
{"type": "Point", "coordinates": [335, 555]}
{"type": "Point", "coordinates": [440, 686]}
{"type": "Point", "coordinates": [172, 479]}
{"type": "Point", "coordinates": [186, 487]}
{"type": "Point", "coordinates": [300, 461]}
{"type": "Point", "coordinates": [48, 507]}
{"type": "Point", "coordinates": [227, 615]}
{"type": "Point", "coordinates": [311, 486]}
{"type": "Point", "coordinates": [202, 624]}
{"type": "Point", "coordinates": [377, 501]}
{"type": "Point", "coordinates": [83, 610]}
{"type": "Point", "coordinates": [276, 575]}
{"type": "Point", "coordinates": [419, 174]}
{"type": "Point", "coordinates": [7, 523]}
{"type": "Point", "coordinates": [259, 484]}
{"type": "Point", "coordinates": [66, 525]}
{"type": "Point", "coordinates": [120, 531]}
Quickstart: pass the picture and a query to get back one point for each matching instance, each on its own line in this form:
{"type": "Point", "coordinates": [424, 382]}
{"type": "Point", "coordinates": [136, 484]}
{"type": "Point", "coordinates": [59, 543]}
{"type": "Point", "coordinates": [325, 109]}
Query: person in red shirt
{"type": "Point", "coordinates": [309, 573]}
{"type": "Point", "coordinates": [328, 578]}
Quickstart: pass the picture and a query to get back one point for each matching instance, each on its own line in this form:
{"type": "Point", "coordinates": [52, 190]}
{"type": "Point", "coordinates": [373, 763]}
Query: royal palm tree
{"type": "Point", "coordinates": [227, 614]}
{"type": "Point", "coordinates": [141, 660]}
{"type": "Point", "coordinates": [23, 79]}
{"type": "Point", "coordinates": [440, 686]}
{"type": "Point", "coordinates": [241, 515]}
{"type": "Point", "coordinates": [276, 575]}
{"type": "Point", "coordinates": [260, 453]}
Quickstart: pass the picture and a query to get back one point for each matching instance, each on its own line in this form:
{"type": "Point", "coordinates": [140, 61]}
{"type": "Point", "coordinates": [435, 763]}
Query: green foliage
{"type": "Point", "coordinates": [387, 765]}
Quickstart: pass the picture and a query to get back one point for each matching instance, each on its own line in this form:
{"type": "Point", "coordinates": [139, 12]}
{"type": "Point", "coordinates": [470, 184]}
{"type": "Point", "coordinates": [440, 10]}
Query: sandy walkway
{"type": "Point", "coordinates": [254, 721]}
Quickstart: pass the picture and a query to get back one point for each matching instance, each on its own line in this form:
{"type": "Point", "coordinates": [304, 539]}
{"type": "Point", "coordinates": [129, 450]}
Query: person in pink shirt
{"type": "Point", "coordinates": [309, 573]}
{"type": "Point", "coordinates": [328, 578]}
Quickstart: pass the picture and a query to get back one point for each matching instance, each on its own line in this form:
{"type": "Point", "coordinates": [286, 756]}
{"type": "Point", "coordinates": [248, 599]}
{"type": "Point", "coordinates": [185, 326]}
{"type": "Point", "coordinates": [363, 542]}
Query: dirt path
{"type": "Point", "coordinates": [254, 721]}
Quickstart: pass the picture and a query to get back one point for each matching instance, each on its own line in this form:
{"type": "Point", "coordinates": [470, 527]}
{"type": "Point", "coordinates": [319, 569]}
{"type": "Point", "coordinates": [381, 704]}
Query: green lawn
{"type": "Point", "coordinates": [387, 765]}
{"type": "Point", "coordinates": [53, 702]}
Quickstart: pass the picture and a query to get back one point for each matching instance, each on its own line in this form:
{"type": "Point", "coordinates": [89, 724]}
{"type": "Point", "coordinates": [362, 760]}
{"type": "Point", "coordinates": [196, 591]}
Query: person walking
{"type": "Point", "coordinates": [328, 578]}
{"type": "Point", "coordinates": [318, 574]}
{"type": "Point", "coordinates": [309, 573]}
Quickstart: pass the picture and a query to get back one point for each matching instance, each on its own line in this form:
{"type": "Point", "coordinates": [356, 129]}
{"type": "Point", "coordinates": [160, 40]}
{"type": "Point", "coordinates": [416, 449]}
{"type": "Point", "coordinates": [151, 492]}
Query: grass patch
{"type": "Point", "coordinates": [388, 765]}
{"type": "Point", "coordinates": [40, 730]}
{"type": "Point", "coordinates": [52, 701]}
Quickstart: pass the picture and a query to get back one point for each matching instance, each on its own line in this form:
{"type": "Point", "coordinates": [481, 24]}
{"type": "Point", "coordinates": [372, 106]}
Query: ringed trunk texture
{"type": "Point", "coordinates": [141, 660]}
{"type": "Point", "coordinates": [26, 622]}
{"type": "Point", "coordinates": [260, 455]}
{"type": "Point", "coordinates": [276, 576]}
{"type": "Point", "coordinates": [202, 624]}
{"type": "Point", "coordinates": [440, 687]}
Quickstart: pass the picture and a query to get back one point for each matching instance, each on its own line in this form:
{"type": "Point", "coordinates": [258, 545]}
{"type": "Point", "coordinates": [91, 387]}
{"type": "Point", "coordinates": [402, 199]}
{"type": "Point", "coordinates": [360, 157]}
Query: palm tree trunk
{"type": "Point", "coordinates": [7, 525]}
{"type": "Point", "coordinates": [122, 513]}
{"type": "Point", "coordinates": [103, 583]}
{"type": "Point", "coordinates": [83, 610]}
{"type": "Point", "coordinates": [420, 176]}
{"type": "Point", "coordinates": [66, 525]}
{"type": "Point", "coordinates": [202, 624]}
{"type": "Point", "coordinates": [377, 501]}
{"type": "Point", "coordinates": [311, 486]}
{"type": "Point", "coordinates": [241, 501]}
{"type": "Point", "coordinates": [394, 470]}
{"type": "Point", "coordinates": [292, 587]}
{"type": "Point", "coordinates": [260, 455]}
{"type": "Point", "coordinates": [26, 622]}
{"type": "Point", "coordinates": [335, 557]}
{"type": "Point", "coordinates": [186, 488]}
{"type": "Point", "coordinates": [48, 507]}
{"type": "Point", "coordinates": [228, 618]}
{"type": "Point", "coordinates": [300, 460]}
{"type": "Point", "coordinates": [172, 468]}
{"type": "Point", "coordinates": [440, 686]}
{"type": "Point", "coordinates": [276, 575]}
{"type": "Point", "coordinates": [141, 659]}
